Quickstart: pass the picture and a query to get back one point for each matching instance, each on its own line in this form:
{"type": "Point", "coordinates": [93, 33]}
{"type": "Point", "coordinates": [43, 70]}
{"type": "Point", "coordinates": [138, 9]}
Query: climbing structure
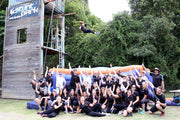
{"type": "Point", "coordinates": [24, 45]}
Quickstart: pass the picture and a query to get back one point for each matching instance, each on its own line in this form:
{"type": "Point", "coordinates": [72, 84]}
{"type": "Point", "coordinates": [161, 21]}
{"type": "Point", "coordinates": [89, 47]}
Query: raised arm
{"type": "Point", "coordinates": [143, 66]}
{"type": "Point", "coordinates": [36, 90]}
{"type": "Point", "coordinates": [80, 70]}
{"type": "Point", "coordinates": [91, 70]}
{"type": "Point", "coordinates": [152, 86]}
{"type": "Point", "coordinates": [136, 70]}
{"type": "Point", "coordinates": [70, 68]}
{"type": "Point", "coordinates": [46, 71]}
{"type": "Point", "coordinates": [113, 69]}
{"type": "Point", "coordinates": [136, 82]}
{"type": "Point", "coordinates": [34, 74]}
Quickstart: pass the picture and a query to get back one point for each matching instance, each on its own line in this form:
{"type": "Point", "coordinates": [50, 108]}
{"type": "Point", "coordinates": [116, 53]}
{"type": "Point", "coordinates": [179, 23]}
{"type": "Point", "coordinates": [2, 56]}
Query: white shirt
{"type": "Point", "coordinates": [87, 79]}
{"type": "Point", "coordinates": [60, 81]}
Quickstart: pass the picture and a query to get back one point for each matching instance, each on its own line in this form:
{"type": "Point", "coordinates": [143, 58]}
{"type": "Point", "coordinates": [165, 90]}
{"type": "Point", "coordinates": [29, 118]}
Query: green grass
{"type": "Point", "coordinates": [16, 110]}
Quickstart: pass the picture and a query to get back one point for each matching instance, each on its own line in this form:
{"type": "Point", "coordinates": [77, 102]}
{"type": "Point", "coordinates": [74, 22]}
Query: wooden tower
{"type": "Point", "coordinates": [24, 44]}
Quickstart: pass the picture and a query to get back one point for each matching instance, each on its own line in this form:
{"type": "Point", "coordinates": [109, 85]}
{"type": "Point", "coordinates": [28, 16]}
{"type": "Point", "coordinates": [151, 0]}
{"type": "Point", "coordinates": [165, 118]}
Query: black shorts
{"type": "Point", "coordinates": [154, 109]}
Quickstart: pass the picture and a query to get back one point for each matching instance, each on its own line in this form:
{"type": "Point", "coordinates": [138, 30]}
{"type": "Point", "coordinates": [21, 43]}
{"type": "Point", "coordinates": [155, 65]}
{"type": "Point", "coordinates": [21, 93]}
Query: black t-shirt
{"type": "Point", "coordinates": [49, 80]}
{"type": "Point", "coordinates": [134, 95]}
{"type": "Point", "coordinates": [57, 110]}
{"type": "Point", "coordinates": [128, 100]}
{"type": "Point", "coordinates": [65, 97]}
{"type": "Point", "coordinates": [109, 84]}
{"type": "Point", "coordinates": [83, 28]}
{"type": "Point", "coordinates": [132, 81]}
{"type": "Point", "coordinates": [161, 97]}
{"type": "Point", "coordinates": [102, 99]}
{"type": "Point", "coordinates": [41, 80]}
{"type": "Point", "coordinates": [74, 100]}
{"type": "Point", "coordinates": [119, 100]}
{"type": "Point", "coordinates": [74, 79]}
{"type": "Point", "coordinates": [53, 97]}
{"type": "Point", "coordinates": [142, 93]}
{"type": "Point", "coordinates": [157, 79]}
{"type": "Point", "coordinates": [139, 83]}
{"type": "Point", "coordinates": [90, 99]}
{"type": "Point", "coordinates": [110, 100]}
{"type": "Point", "coordinates": [96, 79]}
{"type": "Point", "coordinates": [43, 94]}
{"type": "Point", "coordinates": [85, 108]}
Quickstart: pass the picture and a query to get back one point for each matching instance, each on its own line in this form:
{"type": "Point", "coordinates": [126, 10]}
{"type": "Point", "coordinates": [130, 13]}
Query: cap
{"type": "Point", "coordinates": [157, 69]}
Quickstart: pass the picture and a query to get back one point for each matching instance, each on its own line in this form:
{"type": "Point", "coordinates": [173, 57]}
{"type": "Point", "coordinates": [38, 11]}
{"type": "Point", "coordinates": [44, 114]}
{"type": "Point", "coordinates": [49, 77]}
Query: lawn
{"type": "Point", "coordinates": [16, 110]}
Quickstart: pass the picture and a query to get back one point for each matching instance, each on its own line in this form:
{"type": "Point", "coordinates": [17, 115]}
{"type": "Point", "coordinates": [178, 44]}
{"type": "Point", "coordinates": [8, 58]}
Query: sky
{"type": "Point", "coordinates": [104, 9]}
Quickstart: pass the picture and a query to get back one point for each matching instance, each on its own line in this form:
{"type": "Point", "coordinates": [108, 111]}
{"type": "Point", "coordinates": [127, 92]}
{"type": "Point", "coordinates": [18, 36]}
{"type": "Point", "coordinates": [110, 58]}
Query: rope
{"type": "Point", "coordinates": [50, 26]}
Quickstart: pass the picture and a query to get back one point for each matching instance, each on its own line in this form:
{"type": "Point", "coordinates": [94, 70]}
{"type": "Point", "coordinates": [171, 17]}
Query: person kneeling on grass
{"type": "Point", "coordinates": [44, 98]}
{"type": "Point", "coordinates": [160, 100]}
{"type": "Point", "coordinates": [84, 106]}
{"type": "Point", "coordinates": [54, 111]}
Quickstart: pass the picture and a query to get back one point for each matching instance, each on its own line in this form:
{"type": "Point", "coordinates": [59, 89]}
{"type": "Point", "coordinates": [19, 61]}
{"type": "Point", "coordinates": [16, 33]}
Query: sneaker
{"type": "Point", "coordinates": [131, 114]}
{"type": "Point", "coordinates": [162, 113]}
{"type": "Point", "coordinates": [44, 115]}
{"type": "Point", "coordinates": [72, 112]}
{"type": "Point", "coordinates": [107, 114]}
{"type": "Point", "coordinates": [64, 111]}
{"type": "Point", "coordinates": [142, 112]}
{"type": "Point", "coordinates": [120, 112]}
{"type": "Point", "coordinates": [39, 112]}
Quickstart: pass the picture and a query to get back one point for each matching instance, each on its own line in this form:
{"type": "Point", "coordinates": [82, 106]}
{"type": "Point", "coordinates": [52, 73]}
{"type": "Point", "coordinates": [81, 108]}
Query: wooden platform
{"type": "Point", "coordinates": [50, 50]}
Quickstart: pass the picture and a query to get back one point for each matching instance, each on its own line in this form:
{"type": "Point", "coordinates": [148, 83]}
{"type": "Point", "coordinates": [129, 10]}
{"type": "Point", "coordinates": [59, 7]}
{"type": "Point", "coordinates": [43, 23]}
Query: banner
{"type": "Point", "coordinates": [24, 10]}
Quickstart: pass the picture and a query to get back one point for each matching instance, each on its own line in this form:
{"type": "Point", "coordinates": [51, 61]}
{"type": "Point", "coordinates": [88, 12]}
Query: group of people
{"type": "Point", "coordinates": [100, 95]}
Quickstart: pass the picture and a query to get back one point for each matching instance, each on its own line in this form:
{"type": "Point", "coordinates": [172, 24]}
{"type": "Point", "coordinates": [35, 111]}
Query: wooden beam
{"type": "Point", "coordinates": [47, 1]}
{"type": "Point", "coordinates": [69, 14]}
{"type": "Point", "coordinates": [1, 56]}
{"type": "Point", "coordinates": [59, 16]}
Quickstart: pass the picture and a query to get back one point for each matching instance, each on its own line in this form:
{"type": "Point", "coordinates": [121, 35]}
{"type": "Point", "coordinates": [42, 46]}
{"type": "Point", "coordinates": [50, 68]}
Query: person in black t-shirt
{"type": "Point", "coordinates": [74, 78]}
{"type": "Point", "coordinates": [97, 78]}
{"type": "Point", "coordinates": [52, 95]}
{"type": "Point", "coordinates": [135, 96]}
{"type": "Point", "coordinates": [128, 103]}
{"type": "Point", "coordinates": [118, 97]}
{"type": "Point", "coordinates": [84, 106]}
{"type": "Point", "coordinates": [110, 101]}
{"type": "Point", "coordinates": [82, 28]}
{"type": "Point", "coordinates": [42, 82]}
{"type": "Point", "coordinates": [65, 99]}
{"type": "Point", "coordinates": [158, 79]}
{"type": "Point", "coordinates": [103, 97]}
{"type": "Point", "coordinates": [144, 97]}
{"type": "Point", "coordinates": [44, 98]}
{"type": "Point", "coordinates": [54, 111]}
{"type": "Point", "coordinates": [160, 100]}
{"type": "Point", "coordinates": [73, 100]}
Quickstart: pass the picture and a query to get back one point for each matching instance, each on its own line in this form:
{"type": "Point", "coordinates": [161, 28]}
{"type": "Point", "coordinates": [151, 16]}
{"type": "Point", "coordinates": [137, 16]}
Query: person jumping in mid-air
{"type": "Point", "coordinates": [82, 28]}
